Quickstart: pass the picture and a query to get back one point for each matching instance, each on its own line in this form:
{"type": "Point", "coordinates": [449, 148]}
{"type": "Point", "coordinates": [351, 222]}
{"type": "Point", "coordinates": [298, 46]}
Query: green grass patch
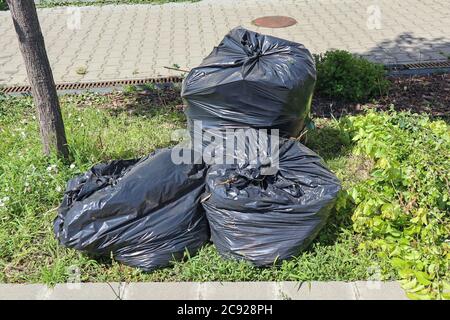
{"type": "Point", "coordinates": [56, 3]}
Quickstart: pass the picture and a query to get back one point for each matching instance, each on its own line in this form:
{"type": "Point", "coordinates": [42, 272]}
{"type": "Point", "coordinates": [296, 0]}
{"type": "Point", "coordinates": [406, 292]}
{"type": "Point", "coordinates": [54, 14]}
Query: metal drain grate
{"type": "Point", "coordinates": [96, 84]}
{"type": "Point", "coordinates": [178, 79]}
{"type": "Point", "coordinates": [427, 65]}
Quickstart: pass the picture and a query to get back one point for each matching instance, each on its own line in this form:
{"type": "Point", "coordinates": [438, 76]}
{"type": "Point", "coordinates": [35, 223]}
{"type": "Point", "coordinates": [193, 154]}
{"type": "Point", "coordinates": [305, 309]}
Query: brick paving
{"type": "Point", "coordinates": [135, 41]}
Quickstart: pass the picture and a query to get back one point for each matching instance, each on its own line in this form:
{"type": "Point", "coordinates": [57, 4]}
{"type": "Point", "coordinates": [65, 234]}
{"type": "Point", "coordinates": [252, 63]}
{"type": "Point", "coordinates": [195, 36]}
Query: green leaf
{"type": "Point", "coordinates": [416, 296]}
{"type": "Point", "coordinates": [400, 263]}
{"type": "Point", "coordinates": [423, 278]}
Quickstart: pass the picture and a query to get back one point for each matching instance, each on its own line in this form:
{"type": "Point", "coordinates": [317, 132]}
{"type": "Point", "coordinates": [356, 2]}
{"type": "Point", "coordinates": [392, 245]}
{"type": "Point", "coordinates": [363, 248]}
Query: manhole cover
{"type": "Point", "coordinates": [274, 22]}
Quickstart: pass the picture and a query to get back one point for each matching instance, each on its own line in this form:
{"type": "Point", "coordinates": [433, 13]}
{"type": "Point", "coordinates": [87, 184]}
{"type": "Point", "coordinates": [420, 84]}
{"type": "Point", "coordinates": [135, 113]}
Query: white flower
{"type": "Point", "coordinates": [52, 168]}
{"type": "Point", "coordinates": [72, 166]}
{"type": "Point", "coordinates": [3, 201]}
{"type": "Point", "coordinates": [58, 189]}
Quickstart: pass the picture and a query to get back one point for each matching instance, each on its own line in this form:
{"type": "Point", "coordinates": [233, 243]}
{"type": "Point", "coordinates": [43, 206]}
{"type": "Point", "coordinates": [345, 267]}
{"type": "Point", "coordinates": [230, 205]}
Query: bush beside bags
{"type": "Point", "coordinates": [145, 212]}
{"type": "Point", "coordinates": [252, 80]}
{"type": "Point", "coordinates": [271, 218]}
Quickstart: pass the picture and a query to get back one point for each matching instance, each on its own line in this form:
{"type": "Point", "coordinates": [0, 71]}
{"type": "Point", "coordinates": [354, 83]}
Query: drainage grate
{"type": "Point", "coordinates": [177, 79]}
{"type": "Point", "coordinates": [427, 65]}
{"type": "Point", "coordinates": [97, 84]}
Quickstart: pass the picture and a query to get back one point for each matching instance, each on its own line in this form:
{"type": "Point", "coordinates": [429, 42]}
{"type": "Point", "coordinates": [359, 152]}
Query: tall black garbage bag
{"type": "Point", "coordinates": [252, 80]}
{"type": "Point", "coordinates": [268, 218]}
{"type": "Point", "coordinates": [145, 212]}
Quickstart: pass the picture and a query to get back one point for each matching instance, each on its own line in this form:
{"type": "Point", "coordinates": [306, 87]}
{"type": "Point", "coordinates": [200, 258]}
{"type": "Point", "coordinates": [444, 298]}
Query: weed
{"type": "Point", "coordinates": [81, 70]}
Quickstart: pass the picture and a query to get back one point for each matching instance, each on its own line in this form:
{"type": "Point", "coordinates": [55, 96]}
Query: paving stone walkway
{"type": "Point", "coordinates": [334, 290]}
{"type": "Point", "coordinates": [135, 41]}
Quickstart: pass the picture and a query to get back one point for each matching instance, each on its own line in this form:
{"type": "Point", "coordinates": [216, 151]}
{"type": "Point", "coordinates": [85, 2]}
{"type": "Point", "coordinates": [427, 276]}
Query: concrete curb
{"type": "Point", "coordinates": [334, 290]}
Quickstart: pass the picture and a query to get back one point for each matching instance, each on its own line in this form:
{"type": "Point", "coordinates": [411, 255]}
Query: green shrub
{"type": "Point", "coordinates": [403, 208]}
{"type": "Point", "coordinates": [342, 75]}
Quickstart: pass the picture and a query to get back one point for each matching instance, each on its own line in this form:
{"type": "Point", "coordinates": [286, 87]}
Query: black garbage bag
{"type": "Point", "coordinates": [252, 80]}
{"type": "Point", "coordinates": [146, 212]}
{"type": "Point", "coordinates": [269, 218]}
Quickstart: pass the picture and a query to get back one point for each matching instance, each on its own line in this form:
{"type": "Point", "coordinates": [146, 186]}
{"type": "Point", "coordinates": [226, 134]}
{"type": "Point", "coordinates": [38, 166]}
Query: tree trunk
{"type": "Point", "coordinates": [32, 47]}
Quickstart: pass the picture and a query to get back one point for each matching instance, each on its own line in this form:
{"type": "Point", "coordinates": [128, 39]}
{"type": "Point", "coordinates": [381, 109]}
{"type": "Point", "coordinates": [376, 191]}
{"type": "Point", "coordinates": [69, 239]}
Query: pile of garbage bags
{"type": "Point", "coordinates": [147, 212]}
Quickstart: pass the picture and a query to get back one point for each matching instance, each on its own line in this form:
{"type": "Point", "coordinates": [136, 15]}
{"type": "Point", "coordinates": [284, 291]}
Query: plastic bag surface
{"type": "Point", "coordinates": [268, 218]}
{"type": "Point", "coordinates": [146, 212]}
{"type": "Point", "coordinates": [252, 80]}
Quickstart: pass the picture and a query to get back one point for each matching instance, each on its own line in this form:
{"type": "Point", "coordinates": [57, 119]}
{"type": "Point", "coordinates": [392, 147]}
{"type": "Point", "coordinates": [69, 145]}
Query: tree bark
{"type": "Point", "coordinates": [32, 47]}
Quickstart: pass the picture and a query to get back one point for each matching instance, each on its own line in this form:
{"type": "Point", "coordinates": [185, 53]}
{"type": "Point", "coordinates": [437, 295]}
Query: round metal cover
{"type": "Point", "coordinates": [274, 22]}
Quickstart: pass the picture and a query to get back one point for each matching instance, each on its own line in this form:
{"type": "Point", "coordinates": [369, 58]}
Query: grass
{"type": "Point", "coordinates": [55, 3]}
{"type": "Point", "coordinates": [100, 128]}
